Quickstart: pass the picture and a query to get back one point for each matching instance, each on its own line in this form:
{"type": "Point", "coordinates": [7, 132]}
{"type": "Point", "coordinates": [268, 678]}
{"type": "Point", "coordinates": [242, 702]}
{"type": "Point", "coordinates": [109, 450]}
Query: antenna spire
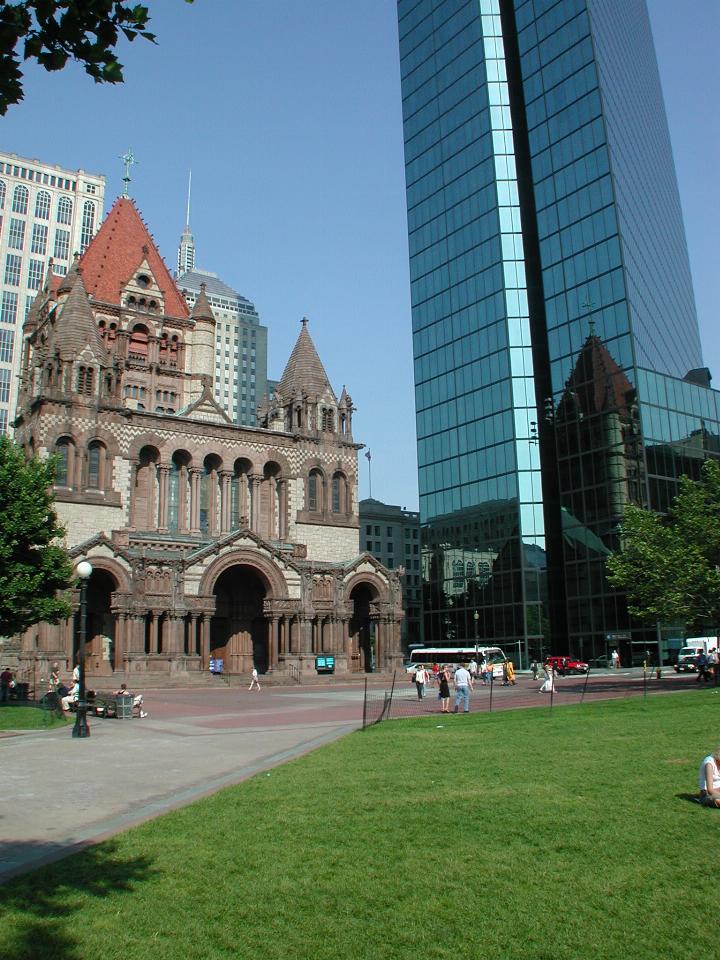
{"type": "Point", "coordinates": [129, 160]}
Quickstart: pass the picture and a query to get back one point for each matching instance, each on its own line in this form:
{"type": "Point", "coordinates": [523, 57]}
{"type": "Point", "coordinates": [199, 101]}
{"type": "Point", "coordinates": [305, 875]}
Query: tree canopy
{"type": "Point", "coordinates": [669, 566]}
{"type": "Point", "coordinates": [54, 31]}
{"type": "Point", "coordinates": [33, 565]}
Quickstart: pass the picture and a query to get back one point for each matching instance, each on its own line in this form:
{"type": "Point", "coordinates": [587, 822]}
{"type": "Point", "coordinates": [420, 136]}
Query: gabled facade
{"type": "Point", "coordinates": [206, 538]}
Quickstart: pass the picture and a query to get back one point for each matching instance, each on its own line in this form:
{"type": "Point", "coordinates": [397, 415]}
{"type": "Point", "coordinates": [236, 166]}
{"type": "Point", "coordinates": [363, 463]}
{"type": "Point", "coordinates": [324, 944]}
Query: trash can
{"type": "Point", "coordinates": [124, 706]}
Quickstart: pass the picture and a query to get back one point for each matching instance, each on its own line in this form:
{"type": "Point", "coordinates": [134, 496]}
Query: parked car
{"type": "Point", "coordinates": [567, 665]}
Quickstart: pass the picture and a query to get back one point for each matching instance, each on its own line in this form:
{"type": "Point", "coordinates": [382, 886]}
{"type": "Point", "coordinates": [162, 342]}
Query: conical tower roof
{"type": "Point", "coordinates": [304, 372]}
{"type": "Point", "coordinates": [116, 252]}
{"type": "Point", "coordinates": [75, 328]}
{"type": "Point", "coordinates": [597, 384]}
{"type": "Point", "coordinates": [202, 309]}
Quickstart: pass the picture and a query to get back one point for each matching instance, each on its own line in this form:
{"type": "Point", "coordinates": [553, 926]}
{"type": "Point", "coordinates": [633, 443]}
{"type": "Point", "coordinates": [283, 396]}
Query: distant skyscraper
{"type": "Point", "coordinates": [46, 212]}
{"type": "Point", "coordinates": [240, 339]}
{"type": "Point", "coordinates": [557, 357]}
{"type": "Point", "coordinates": [240, 345]}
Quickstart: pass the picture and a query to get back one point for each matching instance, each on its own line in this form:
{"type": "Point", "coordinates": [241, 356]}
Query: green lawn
{"type": "Point", "coordinates": [28, 718]}
{"type": "Point", "coordinates": [513, 835]}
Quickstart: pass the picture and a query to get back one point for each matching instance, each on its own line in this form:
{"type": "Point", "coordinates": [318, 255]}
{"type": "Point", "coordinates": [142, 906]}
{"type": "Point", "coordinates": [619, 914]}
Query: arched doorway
{"type": "Point", "coordinates": [100, 623]}
{"type": "Point", "coordinates": [238, 632]}
{"type": "Point", "coordinates": [362, 629]}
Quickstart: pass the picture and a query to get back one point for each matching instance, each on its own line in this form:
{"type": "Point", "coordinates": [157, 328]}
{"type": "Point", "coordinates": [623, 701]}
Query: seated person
{"type": "Point", "coordinates": [709, 780]}
{"type": "Point", "coordinates": [137, 700]}
{"type": "Point", "coordinates": [72, 697]}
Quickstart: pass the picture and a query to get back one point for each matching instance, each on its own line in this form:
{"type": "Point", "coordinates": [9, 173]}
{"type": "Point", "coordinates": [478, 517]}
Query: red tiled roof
{"type": "Point", "coordinates": [115, 253]}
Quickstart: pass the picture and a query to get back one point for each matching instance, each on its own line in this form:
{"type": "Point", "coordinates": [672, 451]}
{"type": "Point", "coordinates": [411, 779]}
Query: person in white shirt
{"type": "Point", "coordinates": [709, 780]}
{"type": "Point", "coordinates": [421, 678]}
{"type": "Point", "coordinates": [463, 686]}
{"type": "Point", "coordinates": [254, 682]}
{"type": "Point", "coordinates": [72, 697]}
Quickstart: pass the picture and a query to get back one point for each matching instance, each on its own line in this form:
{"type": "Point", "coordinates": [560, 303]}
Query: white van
{"type": "Point", "coordinates": [694, 646]}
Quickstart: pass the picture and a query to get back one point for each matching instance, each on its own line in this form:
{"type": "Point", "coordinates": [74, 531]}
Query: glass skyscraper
{"type": "Point", "coordinates": [558, 367]}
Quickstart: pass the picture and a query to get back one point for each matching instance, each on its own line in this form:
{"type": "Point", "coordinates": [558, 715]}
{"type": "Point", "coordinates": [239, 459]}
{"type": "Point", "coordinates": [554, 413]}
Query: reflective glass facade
{"type": "Point", "coordinates": [548, 265]}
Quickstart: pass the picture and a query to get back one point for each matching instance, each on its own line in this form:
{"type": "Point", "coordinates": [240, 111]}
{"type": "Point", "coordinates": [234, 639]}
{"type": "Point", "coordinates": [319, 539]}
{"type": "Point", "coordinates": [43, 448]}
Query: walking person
{"type": "Point", "coordinates": [548, 684]}
{"type": "Point", "coordinates": [463, 686]}
{"type": "Point", "coordinates": [702, 668]}
{"type": "Point", "coordinates": [444, 692]}
{"type": "Point", "coordinates": [535, 668]}
{"type": "Point", "coordinates": [254, 682]}
{"type": "Point", "coordinates": [709, 780]}
{"type": "Point", "coordinates": [421, 678]}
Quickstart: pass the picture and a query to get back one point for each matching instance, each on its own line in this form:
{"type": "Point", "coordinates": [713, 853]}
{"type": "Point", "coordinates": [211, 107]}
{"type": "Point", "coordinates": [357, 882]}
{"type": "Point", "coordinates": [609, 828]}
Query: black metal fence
{"type": "Point", "coordinates": [402, 699]}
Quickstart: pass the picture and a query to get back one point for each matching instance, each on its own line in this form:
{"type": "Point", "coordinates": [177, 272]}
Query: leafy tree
{"type": "Point", "coordinates": [55, 31]}
{"type": "Point", "coordinates": [33, 565]}
{"type": "Point", "coordinates": [669, 566]}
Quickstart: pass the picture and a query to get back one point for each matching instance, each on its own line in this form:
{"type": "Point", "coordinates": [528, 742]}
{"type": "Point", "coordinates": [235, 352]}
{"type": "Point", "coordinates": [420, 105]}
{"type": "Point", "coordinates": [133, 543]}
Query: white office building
{"type": "Point", "coordinates": [47, 214]}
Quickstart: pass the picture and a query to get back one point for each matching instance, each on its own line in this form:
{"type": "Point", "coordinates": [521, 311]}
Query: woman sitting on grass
{"type": "Point", "coordinates": [709, 780]}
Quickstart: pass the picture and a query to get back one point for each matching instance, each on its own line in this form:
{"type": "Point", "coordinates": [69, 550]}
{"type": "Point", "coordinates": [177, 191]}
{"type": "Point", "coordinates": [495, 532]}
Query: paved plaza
{"type": "Point", "coordinates": [61, 794]}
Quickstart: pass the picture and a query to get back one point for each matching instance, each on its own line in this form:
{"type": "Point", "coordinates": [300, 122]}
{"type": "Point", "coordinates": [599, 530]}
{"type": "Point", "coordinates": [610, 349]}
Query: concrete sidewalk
{"type": "Point", "coordinates": [60, 794]}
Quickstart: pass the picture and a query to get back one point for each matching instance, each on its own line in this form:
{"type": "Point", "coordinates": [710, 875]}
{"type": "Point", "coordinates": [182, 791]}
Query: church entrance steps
{"type": "Point", "coordinates": [196, 681]}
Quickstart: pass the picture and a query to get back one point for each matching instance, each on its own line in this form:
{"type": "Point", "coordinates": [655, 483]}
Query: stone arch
{"type": "Point", "coordinates": [107, 578]}
{"type": "Point", "coordinates": [362, 592]}
{"type": "Point", "coordinates": [242, 556]}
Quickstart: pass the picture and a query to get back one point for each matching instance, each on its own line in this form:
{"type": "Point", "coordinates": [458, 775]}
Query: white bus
{"type": "Point", "coordinates": [430, 655]}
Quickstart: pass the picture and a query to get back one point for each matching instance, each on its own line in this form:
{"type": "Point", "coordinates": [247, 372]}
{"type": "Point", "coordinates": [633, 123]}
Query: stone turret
{"type": "Point", "coordinates": [202, 352]}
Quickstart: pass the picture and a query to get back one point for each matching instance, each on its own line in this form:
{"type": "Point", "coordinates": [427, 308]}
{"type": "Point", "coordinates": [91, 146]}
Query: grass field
{"type": "Point", "coordinates": [516, 835]}
{"type": "Point", "coordinates": [28, 718]}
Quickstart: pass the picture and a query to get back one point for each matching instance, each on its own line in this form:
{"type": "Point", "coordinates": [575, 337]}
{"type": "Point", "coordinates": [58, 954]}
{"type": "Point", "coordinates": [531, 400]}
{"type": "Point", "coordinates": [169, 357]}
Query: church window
{"type": "Point", "coordinates": [138, 348]}
{"type": "Point", "coordinates": [173, 496]}
{"type": "Point", "coordinates": [16, 234]}
{"type": "Point", "coordinates": [12, 270]}
{"type": "Point", "coordinates": [336, 494]}
{"type": "Point", "coordinates": [328, 420]}
{"type": "Point", "coordinates": [143, 280]}
{"type": "Point", "coordinates": [64, 210]}
{"type": "Point", "coordinates": [42, 205]}
{"type": "Point", "coordinates": [63, 450]}
{"type": "Point", "coordinates": [313, 492]}
{"type": "Point", "coordinates": [88, 224]}
{"type": "Point", "coordinates": [95, 464]}
{"type": "Point", "coordinates": [38, 244]}
{"type": "Point", "coordinates": [20, 199]}
{"type": "Point", "coordinates": [85, 381]}
{"type": "Point", "coordinates": [62, 244]}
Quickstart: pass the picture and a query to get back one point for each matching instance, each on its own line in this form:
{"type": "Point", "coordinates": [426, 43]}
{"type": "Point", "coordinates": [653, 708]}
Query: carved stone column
{"type": "Point", "coordinates": [195, 474]}
{"type": "Point", "coordinates": [273, 643]}
{"type": "Point", "coordinates": [134, 467]}
{"type": "Point", "coordinates": [255, 481]}
{"type": "Point", "coordinates": [282, 509]}
{"type": "Point", "coordinates": [225, 500]}
{"type": "Point", "coordinates": [164, 485]}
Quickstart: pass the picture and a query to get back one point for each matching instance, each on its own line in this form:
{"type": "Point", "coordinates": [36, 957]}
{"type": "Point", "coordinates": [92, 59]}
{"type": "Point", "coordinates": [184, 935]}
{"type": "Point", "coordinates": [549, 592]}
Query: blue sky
{"type": "Point", "coordinates": [288, 113]}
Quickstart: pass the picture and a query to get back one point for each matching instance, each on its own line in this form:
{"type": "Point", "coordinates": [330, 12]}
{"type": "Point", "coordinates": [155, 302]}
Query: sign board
{"type": "Point", "coordinates": [325, 664]}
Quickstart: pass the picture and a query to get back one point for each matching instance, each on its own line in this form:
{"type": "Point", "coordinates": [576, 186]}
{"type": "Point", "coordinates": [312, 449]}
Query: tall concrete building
{"type": "Point", "coordinates": [46, 213]}
{"type": "Point", "coordinates": [240, 376]}
{"type": "Point", "coordinates": [558, 366]}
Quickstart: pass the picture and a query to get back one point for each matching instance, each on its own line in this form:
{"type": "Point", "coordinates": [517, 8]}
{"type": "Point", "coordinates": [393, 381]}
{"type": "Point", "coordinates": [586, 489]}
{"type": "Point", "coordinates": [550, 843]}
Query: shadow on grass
{"type": "Point", "coordinates": [690, 797]}
{"type": "Point", "coordinates": [49, 897]}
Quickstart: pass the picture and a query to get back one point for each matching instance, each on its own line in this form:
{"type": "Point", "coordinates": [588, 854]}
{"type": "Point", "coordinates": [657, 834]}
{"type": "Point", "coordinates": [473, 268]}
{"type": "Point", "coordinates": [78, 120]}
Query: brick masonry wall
{"type": "Point", "coordinates": [83, 520]}
{"type": "Point", "coordinates": [334, 544]}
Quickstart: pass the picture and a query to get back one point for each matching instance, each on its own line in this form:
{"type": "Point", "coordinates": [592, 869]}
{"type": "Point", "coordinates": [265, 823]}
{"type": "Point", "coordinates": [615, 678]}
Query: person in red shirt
{"type": "Point", "coordinates": [6, 679]}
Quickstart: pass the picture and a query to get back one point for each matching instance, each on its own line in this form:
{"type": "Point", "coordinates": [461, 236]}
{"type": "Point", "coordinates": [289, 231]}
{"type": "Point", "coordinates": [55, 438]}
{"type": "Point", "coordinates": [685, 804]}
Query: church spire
{"type": "Point", "coordinates": [186, 249]}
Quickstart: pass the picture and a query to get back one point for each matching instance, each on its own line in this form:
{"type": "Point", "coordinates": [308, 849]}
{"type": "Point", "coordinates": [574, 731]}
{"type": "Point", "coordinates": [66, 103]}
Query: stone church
{"type": "Point", "coordinates": [207, 539]}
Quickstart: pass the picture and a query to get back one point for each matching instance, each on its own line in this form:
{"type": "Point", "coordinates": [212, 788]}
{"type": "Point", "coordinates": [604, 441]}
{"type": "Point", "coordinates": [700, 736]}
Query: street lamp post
{"type": "Point", "coordinates": [81, 728]}
{"type": "Point", "coordinates": [476, 617]}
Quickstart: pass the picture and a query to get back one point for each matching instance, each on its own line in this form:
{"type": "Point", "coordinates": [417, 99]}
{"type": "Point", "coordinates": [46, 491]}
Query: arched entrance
{"type": "Point", "coordinates": [100, 623]}
{"type": "Point", "coordinates": [362, 629]}
{"type": "Point", "coordinates": [238, 632]}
